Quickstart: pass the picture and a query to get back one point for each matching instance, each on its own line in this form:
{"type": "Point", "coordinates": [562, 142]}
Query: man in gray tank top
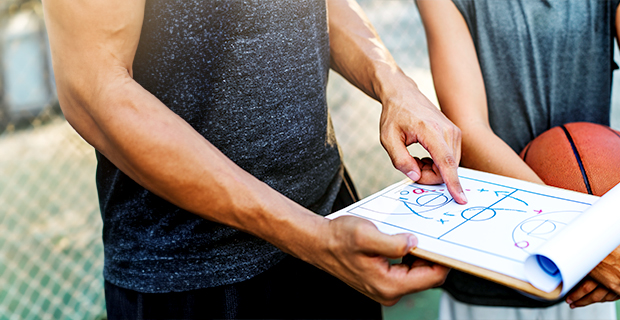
{"type": "Point", "coordinates": [216, 155]}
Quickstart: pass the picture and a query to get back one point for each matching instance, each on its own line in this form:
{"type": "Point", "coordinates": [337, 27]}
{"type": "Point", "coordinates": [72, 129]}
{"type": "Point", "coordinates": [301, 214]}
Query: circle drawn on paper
{"type": "Point", "coordinates": [478, 214]}
{"type": "Point", "coordinates": [538, 227]}
{"type": "Point", "coordinates": [432, 200]}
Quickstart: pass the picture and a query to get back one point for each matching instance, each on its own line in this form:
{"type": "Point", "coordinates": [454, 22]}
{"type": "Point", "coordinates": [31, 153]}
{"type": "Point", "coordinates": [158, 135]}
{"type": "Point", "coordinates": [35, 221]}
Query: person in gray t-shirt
{"type": "Point", "coordinates": [505, 72]}
{"type": "Point", "coordinates": [216, 154]}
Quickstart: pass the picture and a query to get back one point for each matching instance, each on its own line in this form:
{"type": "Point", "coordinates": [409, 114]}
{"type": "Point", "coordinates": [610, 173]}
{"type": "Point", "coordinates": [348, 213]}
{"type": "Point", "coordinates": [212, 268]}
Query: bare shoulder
{"type": "Point", "coordinates": [93, 44]}
{"type": "Point", "coordinates": [93, 29]}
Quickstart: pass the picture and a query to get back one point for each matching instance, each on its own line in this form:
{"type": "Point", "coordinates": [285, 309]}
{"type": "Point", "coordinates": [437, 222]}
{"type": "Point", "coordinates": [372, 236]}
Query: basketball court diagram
{"type": "Point", "coordinates": [501, 219]}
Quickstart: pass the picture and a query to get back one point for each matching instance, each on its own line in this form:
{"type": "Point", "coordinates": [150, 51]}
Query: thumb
{"type": "Point", "coordinates": [392, 246]}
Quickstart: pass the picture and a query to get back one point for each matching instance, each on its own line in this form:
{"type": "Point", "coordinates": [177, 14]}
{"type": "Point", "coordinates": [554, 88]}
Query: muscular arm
{"type": "Point", "coordinates": [461, 93]}
{"type": "Point", "coordinates": [407, 116]}
{"type": "Point", "coordinates": [93, 46]}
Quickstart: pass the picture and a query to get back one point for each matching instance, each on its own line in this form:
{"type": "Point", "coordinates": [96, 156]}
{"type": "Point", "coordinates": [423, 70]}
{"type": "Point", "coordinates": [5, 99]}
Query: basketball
{"type": "Point", "coordinates": [579, 156]}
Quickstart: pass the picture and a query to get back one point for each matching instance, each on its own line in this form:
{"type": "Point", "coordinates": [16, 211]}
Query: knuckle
{"type": "Point", "coordinates": [389, 303]}
{"type": "Point", "coordinates": [359, 235]}
{"type": "Point", "coordinates": [456, 132]}
{"type": "Point", "coordinates": [573, 296]}
{"type": "Point", "coordinates": [440, 281]}
{"type": "Point", "coordinates": [579, 294]}
{"type": "Point", "coordinates": [589, 286]}
{"type": "Point", "coordinates": [433, 126]}
{"type": "Point", "coordinates": [384, 138]}
{"type": "Point", "coordinates": [437, 279]}
{"type": "Point", "coordinates": [358, 240]}
{"type": "Point", "coordinates": [388, 294]}
{"type": "Point", "coordinates": [424, 126]}
{"type": "Point", "coordinates": [615, 287]}
{"type": "Point", "coordinates": [599, 295]}
{"type": "Point", "coordinates": [449, 128]}
{"type": "Point", "coordinates": [399, 163]}
{"type": "Point", "coordinates": [402, 248]}
{"type": "Point", "coordinates": [450, 161]}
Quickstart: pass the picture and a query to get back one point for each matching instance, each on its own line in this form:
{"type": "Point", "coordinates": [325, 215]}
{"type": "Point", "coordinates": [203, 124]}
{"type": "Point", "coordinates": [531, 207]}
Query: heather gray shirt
{"type": "Point", "coordinates": [250, 76]}
{"type": "Point", "coordinates": [544, 63]}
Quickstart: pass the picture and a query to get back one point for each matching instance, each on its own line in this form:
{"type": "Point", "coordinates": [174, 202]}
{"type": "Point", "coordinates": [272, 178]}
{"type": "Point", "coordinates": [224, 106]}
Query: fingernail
{"type": "Point", "coordinates": [413, 175]}
{"type": "Point", "coordinates": [569, 301]}
{"type": "Point", "coordinates": [412, 241]}
{"type": "Point", "coordinates": [463, 196]}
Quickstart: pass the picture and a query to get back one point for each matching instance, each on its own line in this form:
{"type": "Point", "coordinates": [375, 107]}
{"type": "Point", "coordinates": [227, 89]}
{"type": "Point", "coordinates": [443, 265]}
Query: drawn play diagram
{"type": "Point", "coordinates": [537, 239]}
{"type": "Point", "coordinates": [501, 224]}
{"type": "Point", "coordinates": [540, 228]}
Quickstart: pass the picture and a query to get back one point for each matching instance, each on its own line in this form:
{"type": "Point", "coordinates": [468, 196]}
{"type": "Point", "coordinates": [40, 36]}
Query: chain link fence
{"type": "Point", "coordinates": [51, 255]}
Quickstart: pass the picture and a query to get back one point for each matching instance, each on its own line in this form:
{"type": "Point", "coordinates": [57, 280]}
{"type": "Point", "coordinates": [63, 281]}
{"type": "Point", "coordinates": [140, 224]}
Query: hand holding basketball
{"type": "Point", "coordinates": [583, 157]}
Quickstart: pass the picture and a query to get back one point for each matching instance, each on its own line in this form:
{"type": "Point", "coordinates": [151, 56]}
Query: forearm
{"type": "Point", "coordinates": [485, 151]}
{"type": "Point", "coordinates": [161, 152]}
{"type": "Point", "coordinates": [461, 92]}
{"type": "Point", "coordinates": [407, 116]}
{"type": "Point", "coordinates": [93, 44]}
{"type": "Point", "coordinates": [359, 55]}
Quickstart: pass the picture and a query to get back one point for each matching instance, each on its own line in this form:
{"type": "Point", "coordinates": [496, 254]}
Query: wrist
{"type": "Point", "coordinates": [294, 229]}
{"type": "Point", "coordinates": [390, 82]}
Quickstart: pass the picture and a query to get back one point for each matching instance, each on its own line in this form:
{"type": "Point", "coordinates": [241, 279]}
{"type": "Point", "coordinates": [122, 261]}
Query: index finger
{"type": "Point", "coordinates": [451, 178]}
{"type": "Point", "coordinates": [420, 276]}
{"type": "Point", "coordinates": [448, 164]}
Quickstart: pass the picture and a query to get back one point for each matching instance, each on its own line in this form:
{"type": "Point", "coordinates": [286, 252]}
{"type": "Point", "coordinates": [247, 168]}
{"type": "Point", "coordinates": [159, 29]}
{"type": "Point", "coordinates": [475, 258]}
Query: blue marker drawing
{"type": "Point", "coordinates": [502, 193]}
{"type": "Point", "coordinates": [494, 210]}
{"type": "Point", "coordinates": [414, 212]}
{"type": "Point", "coordinates": [504, 221]}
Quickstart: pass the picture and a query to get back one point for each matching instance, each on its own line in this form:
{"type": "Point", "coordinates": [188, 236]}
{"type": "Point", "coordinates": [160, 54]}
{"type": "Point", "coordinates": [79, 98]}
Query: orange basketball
{"type": "Point", "coordinates": [579, 156]}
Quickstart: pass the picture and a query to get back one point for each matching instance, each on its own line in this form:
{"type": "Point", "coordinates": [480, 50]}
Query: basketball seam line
{"type": "Point", "coordinates": [578, 157]}
{"type": "Point", "coordinates": [612, 131]}
{"type": "Point", "coordinates": [527, 149]}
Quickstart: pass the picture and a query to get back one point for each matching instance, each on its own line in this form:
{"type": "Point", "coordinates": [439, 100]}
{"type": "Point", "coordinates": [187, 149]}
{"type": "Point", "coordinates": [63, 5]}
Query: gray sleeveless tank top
{"type": "Point", "coordinates": [250, 76]}
{"type": "Point", "coordinates": [544, 62]}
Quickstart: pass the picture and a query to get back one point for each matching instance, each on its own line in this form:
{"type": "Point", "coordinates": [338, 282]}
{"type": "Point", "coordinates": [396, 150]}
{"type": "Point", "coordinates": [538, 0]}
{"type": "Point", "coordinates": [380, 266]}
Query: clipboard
{"type": "Point", "coordinates": [496, 277]}
{"type": "Point", "coordinates": [511, 232]}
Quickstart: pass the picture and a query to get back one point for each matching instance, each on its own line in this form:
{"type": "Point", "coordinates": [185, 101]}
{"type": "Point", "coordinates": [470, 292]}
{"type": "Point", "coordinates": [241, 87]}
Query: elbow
{"type": "Point", "coordinates": [83, 90]}
{"type": "Point", "coordinates": [71, 97]}
{"type": "Point", "coordinates": [81, 100]}
{"type": "Point", "coordinates": [75, 106]}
